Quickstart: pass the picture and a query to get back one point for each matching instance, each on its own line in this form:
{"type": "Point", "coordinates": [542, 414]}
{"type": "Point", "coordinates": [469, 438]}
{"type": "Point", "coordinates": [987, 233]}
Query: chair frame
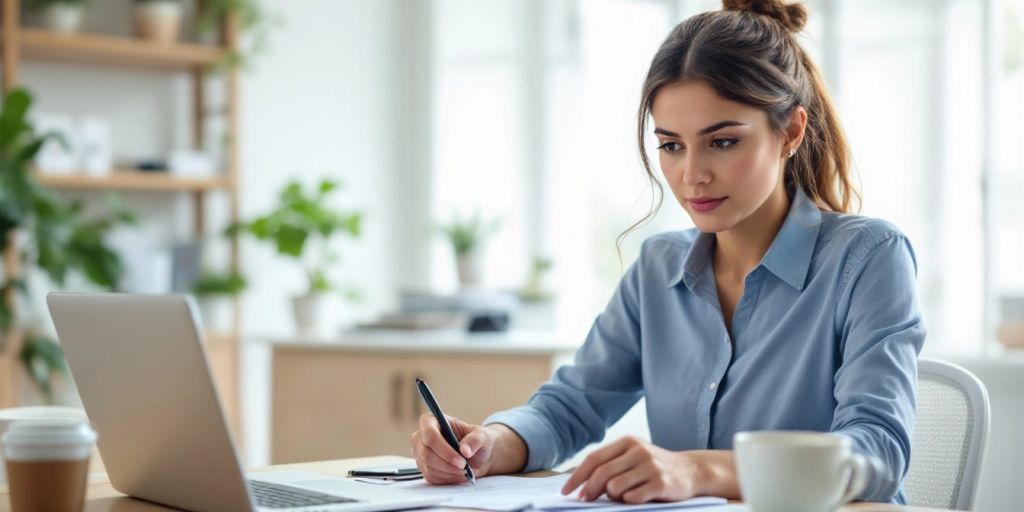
{"type": "Point", "coordinates": [980, 411]}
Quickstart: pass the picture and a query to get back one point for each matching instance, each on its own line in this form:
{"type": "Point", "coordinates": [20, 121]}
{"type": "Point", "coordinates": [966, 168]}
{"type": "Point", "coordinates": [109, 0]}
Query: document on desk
{"type": "Point", "coordinates": [508, 493]}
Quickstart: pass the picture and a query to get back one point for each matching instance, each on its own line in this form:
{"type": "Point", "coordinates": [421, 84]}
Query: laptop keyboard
{"type": "Point", "coordinates": [271, 495]}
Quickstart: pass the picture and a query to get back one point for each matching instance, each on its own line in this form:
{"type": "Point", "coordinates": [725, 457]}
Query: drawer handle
{"type": "Point", "coordinates": [417, 401]}
{"type": "Point", "coordinates": [396, 396]}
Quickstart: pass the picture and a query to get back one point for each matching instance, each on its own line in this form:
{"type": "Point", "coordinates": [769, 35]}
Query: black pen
{"type": "Point", "coordinates": [446, 429]}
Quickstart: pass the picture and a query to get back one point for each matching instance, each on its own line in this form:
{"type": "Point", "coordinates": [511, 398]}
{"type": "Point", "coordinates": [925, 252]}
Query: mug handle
{"type": "Point", "coordinates": [860, 471]}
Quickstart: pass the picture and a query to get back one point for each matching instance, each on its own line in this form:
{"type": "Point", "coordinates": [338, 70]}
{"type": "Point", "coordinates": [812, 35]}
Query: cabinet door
{"type": "Point", "coordinates": [333, 404]}
{"type": "Point", "coordinates": [223, 360]}
{"type": "Point", "coordinates": [472, 386]}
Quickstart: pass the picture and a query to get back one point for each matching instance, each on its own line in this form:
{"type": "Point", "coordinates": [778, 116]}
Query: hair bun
{"type": "Point", "coordinates": [791, 16]}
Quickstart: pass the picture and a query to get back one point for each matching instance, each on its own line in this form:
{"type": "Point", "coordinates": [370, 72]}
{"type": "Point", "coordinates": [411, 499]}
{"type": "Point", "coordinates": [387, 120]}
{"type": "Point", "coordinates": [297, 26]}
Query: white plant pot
{"type": "Point", "coordinates": [468, 268]}
{"type": "Point", "coordinates": [311, 313]}
{"type": "Point", "coordinates": [62, 18]}
{"type": "Point", "coordinates": [217, 312]}
{"type": "Point", "coordinates": [158, 20]}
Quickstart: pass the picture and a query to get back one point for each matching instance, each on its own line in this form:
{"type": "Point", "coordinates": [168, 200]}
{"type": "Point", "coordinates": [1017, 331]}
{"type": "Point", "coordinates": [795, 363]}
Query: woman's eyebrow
{"type": "Point", "coordinates": [703, 131]}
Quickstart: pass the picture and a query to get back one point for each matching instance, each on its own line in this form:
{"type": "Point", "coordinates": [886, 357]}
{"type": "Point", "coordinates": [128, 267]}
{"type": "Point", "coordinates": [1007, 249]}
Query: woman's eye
{"type": "Point", "coordinates": [724, 143]}
{"type": "Point", "coordinates": [670, 147]}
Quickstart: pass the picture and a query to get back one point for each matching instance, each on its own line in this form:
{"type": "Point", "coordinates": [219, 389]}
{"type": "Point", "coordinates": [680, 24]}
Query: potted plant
{"type": "Point", "coordinates": [157, 20]}
{"type": "Point", "coordinates": [60, 16]}
{"type": "Point", "coordinates": [537, 304]}
{"type": "Point", "coordinates": [467, 237]}
{"type": "Point", "coordinates": [52, 237]}
{"type": "Point", "coordinates": [252, 20]}
{"type": "Point", "coordinates": [299, 221]}
{"type": "Point", "coordinates": [215, 294]}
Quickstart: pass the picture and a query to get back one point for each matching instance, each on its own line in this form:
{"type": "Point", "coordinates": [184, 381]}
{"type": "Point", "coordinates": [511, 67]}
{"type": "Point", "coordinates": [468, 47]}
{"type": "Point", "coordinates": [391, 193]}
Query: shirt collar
{"type": "Point", "coordinates": [789, 256]}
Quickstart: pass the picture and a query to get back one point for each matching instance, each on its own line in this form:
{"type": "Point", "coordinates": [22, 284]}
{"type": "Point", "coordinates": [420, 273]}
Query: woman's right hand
{"type": "Point", "coordinates": [439, 462]}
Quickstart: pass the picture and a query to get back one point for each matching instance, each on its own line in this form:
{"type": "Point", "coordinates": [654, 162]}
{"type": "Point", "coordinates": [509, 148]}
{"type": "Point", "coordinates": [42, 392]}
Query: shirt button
{"type": "Point", "coordinates": [712, 386]}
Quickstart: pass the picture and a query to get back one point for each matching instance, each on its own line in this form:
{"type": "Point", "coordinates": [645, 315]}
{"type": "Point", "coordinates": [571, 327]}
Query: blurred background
{"type": "Point", "coordinates": [362, 192]}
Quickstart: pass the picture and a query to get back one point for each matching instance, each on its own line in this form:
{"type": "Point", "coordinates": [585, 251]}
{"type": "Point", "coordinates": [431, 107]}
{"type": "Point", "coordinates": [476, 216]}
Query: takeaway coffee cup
{"type": "Point", "coordinates": [47, 464]}
{"type": "Point", "coordinates": [798, 471]}
{"type": "Point", "coordinates": [7, 416]}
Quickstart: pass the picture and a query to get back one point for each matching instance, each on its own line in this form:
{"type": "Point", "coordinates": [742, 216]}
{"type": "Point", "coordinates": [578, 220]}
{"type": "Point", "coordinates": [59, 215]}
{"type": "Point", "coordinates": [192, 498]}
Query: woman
{"type": "Point", "coordinates": [780, 311]}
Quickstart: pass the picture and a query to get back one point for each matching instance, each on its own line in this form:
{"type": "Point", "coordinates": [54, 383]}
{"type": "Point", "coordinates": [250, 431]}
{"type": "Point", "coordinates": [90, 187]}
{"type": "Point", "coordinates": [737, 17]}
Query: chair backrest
{"type": "Point", "coordinates": [949, 436]}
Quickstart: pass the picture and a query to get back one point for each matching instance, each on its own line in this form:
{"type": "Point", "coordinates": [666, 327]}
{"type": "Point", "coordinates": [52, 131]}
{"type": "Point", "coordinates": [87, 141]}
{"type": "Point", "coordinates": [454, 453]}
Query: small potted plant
{"type": "Point", "coordinates": [537, 301]}
{"type": "Point", "coordinates": [215, 294]}
{"type": "Point", "coordinates": [252, 19]}
{"type": "Point", "coordinates": [302, 220]}
{"type": "Point", "coordinates": [60, 16]}
{"type": "Point", "coordinates": [467, 237]}
{"type": "Point", "coordinates": [157, 20]}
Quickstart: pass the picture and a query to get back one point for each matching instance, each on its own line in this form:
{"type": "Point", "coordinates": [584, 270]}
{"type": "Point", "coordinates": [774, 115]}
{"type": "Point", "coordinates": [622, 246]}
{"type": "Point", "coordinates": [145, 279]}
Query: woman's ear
{"type": "Point", "coordinates": [795, 131]}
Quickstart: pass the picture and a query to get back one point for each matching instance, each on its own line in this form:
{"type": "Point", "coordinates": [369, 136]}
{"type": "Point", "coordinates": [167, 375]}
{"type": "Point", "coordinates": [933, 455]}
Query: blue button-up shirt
{"type": "Point", "coordinates": [825, 337]}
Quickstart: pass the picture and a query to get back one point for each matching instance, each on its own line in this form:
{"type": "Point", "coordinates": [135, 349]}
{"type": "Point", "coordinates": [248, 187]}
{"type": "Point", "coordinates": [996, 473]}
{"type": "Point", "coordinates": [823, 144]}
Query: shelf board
{"type": "Point", "coordinates": [112, 50]}
{"type": "Point", "coordinates": [131, 180]}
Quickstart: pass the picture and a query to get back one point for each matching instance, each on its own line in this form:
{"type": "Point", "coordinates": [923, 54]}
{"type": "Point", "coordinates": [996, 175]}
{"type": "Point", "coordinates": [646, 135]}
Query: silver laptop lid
{"type": "Point", "coordinates": [140, 368]}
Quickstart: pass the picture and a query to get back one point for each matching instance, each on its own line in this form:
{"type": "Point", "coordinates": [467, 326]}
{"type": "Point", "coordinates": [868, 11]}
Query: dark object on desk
{"type": "Point", "coordinates": [446, 429]}
{"type": "Point", "coordinates": [488, 322]}
{"type": "Point", "coordinates": [151, 166]}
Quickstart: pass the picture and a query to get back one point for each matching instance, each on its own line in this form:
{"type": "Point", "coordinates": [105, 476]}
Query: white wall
{"type": "Point", "coordinates": [320, 103]}
{"type": "Point", "coordinates": [342, 92]}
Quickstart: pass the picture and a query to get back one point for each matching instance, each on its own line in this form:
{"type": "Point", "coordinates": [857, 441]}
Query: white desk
{"type": "Point", "coordinates": [101, 496]}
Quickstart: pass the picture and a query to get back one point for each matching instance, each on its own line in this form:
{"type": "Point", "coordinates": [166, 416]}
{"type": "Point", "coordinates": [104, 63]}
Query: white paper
{"type": "Point", "coordinates": [603, 504]}
{"type": "Point", "coordinates": [508, 493]}
{"type": "Point", "coordinates": [494, 492]}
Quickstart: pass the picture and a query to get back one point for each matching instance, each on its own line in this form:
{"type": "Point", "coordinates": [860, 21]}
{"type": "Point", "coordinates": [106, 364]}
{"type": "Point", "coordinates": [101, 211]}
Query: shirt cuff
{"type": "Point", "coordinates": [532, 427]}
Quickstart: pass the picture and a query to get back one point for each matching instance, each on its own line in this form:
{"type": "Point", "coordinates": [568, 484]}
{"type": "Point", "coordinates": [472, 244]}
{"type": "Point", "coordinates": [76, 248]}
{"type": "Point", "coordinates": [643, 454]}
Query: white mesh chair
{"type": "Point", "coordinates": [949, 437]}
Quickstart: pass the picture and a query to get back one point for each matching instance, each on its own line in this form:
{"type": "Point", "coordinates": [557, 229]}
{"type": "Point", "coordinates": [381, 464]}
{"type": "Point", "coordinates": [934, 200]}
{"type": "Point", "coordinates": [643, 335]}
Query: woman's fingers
{"type": "Point", "coordinates": [648, 491]}
{"type": "Point", "coordinates": [430, 435]}
{"type": "Point", "coordinates": [592, 462]}
{"type": "Point", "coordinates": [599, 478]}
{"type": "Point", "coordinates": [435, 469]}
{"type": "Point", "coordinates": [623, 482]}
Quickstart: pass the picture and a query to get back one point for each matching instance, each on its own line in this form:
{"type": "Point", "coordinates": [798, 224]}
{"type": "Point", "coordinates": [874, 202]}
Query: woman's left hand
{"type": "Point", "coordinates": [635, 471]}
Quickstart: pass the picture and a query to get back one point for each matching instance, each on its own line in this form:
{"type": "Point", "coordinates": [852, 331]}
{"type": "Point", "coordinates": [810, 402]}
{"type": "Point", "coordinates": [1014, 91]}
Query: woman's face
{"type": "Point", "coordinates": [721, 158]}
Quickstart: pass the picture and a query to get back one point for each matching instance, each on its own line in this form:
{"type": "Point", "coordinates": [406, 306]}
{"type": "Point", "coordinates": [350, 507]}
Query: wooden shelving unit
{"type": "Point", "coordinates": [21, 43]}
{"type": "Point", "coordinates": [105, 50]}
{"type": "Point", "coordinates": [127, 180]}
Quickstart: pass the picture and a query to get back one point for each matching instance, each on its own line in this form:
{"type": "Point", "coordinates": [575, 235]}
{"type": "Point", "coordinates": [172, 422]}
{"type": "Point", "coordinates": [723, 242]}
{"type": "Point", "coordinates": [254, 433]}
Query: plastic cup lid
{"type": "Point", "coordinates": [50, 431]}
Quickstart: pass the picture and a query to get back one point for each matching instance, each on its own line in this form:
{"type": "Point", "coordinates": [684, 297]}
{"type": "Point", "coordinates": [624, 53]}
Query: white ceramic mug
{"type": "Point", "coordinates": [32, 413]}
{"type": "Point", "coordinates": [798, 471]}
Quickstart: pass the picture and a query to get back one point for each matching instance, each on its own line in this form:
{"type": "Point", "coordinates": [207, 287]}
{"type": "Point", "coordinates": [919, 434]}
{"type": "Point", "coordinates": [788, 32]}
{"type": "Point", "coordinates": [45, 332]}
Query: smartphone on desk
{"type": "Point", "coordinates": [387, 472]}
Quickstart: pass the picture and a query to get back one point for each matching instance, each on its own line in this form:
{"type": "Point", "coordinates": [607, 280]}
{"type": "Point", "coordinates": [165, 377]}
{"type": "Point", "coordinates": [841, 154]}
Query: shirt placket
{"type": "Point", "coordinates": [740, 320]}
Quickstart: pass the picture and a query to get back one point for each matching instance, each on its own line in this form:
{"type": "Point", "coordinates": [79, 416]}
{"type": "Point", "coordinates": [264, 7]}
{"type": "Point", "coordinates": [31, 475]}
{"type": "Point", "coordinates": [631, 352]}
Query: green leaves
{"type": "Point", "coordinates": [59, 240]}
{"type": "Point", "coordinates": [302, 218]}
{"type": "Point", "coordinates": [467, 234]}
{"type": "Point", "coordinates": [12, 120]}
{"type": "Point", "coordinates": [216, 284]}
{"type": "Point", "coordinates": [43, 358]}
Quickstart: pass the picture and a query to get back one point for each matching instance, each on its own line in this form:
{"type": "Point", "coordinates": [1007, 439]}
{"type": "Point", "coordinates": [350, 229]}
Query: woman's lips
{"type": "Point", "coordinates": [705, 204]}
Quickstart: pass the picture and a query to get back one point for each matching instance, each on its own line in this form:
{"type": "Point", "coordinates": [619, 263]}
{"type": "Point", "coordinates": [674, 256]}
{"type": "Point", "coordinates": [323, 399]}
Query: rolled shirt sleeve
{"type": "Point", "coordinates": [881, 333]}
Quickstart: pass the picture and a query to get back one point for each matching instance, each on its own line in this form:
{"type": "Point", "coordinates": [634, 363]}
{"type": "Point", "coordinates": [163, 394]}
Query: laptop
{"type": "Point", "coordinates": [143, 376]}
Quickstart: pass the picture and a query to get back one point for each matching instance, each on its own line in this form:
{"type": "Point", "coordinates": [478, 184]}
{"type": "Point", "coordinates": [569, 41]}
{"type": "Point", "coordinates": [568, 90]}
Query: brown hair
{"type": "Point", "coordinates": [747, 53]}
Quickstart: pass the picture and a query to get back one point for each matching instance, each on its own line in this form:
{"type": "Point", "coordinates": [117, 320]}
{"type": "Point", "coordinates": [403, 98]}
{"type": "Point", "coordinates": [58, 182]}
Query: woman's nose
{"type": "Point", "coordinates": [694, 171]}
